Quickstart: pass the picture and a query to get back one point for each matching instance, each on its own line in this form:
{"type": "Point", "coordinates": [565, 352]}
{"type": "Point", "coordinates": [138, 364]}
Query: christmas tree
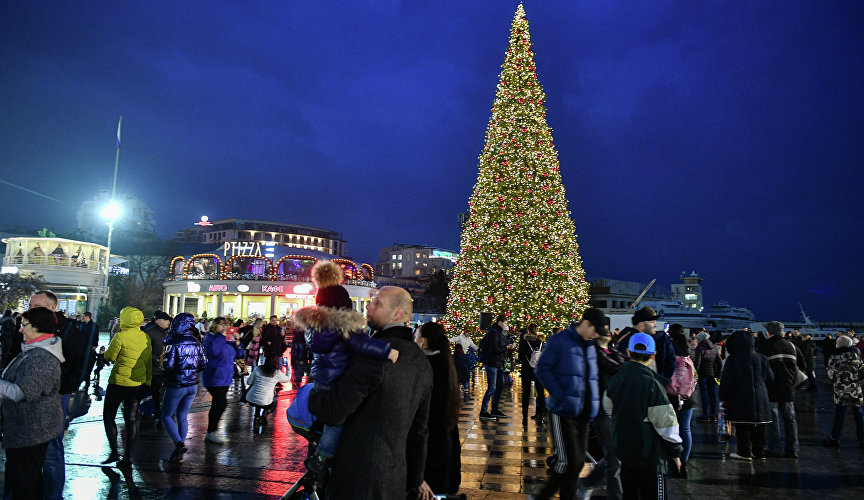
{"type": "Point", "coordinates": [518, 253]}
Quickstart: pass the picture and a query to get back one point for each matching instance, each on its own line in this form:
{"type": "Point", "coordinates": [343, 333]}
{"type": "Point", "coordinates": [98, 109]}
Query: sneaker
{"type": "Point", "coordinates": [739, 457]}
{"type": "Point", "coordinates": [486, 416]}
{"type": "Point", "coordinates": [498, 413]}
{"type": "Point", "coordinates": [214, 438]}
{"type": "Point", "coordinates": [759, 457]}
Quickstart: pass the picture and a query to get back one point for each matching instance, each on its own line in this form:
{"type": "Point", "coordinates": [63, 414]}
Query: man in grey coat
{"type": "Point", "coordinates": [384, 407]}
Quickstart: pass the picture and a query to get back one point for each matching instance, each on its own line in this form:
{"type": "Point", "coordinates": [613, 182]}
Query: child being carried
{"type": "Point", "coordinates": [334, 332]}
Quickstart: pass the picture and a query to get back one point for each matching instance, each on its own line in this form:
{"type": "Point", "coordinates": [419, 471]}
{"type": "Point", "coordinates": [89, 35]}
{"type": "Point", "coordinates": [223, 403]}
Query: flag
{"type": "Point", "coordinates": [118, 131]}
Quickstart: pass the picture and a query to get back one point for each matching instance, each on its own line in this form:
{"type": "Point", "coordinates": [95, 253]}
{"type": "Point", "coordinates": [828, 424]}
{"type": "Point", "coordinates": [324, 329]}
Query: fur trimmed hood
{"type": "Point", "coordinates": [344, 321]}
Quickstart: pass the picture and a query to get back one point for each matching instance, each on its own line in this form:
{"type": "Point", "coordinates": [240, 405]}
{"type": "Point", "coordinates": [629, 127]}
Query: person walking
{"type": "Point", "coordinates": [218, 374]}
{"type": "Point", "coordinates": [130, 351]}
{"type": "Point", "coordinates": [743, 390]}
{"type": "Point", "coordinates": [608, 469]}
{"type": "Point", "coordinates": [530, 348]}
{"type": "Point", "coordinates": [809, 352]}
{"type": "Point", "coordinates": [89, 330]}
{"type": "Point", "coordinates": [494, 349]}
{"type": "Point", "coordinates": [784, 359]}
{"type": "Point", "coordinates": [184, 359]}
{"type": "Point", "coordinates": [30, 404]}
{"type": "Point", "coordinates": [443, 453]}
{"type": "Point", "coordinates": [708, 366]}
{"type": "Point", "coordinates": [846, 373]}
{"type": "Point", "coordinates": [568, 369]}
{"type": "Point", "coordinates": [251, 341]}
{"type": "Point", "coordinates": [157, 330]}
{"type": "Point", "coordinates": [683, 406]}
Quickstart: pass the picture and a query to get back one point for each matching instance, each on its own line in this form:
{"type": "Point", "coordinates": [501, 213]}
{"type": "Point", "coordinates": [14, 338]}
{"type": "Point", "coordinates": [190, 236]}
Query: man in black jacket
{"type": "Point", "coordinates": [90, 330]}
{"type": "Point", "coordinates": [76, 348]}
{"type": "Point", "coordinates": [783, 358]}
{"type": "Point", "coordinates": [272, 341]}
{"type": "Point", "coordinates": [157, 330]}
{"type": "Point", "coordinates": [385, 409]}
{"type": "Point", "coordinates": [494, 347]}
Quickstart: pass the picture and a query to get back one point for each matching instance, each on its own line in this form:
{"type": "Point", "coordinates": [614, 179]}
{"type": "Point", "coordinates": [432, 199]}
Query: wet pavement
{"type": "Point", "coordinates": [500, 460]}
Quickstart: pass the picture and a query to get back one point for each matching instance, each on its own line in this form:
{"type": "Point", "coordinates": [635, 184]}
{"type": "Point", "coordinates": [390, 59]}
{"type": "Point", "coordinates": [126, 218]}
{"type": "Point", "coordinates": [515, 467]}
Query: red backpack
{"type": "Point", "coordinates": [683, 381]}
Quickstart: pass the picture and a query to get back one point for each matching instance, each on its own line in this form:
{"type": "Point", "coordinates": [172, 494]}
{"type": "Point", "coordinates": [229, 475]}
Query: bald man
{"type": "Point", "coordinates": [384, 407]}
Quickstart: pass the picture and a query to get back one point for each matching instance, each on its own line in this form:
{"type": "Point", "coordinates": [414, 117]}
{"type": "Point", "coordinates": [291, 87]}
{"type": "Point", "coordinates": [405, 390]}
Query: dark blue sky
{"type": "Point", "coordinates": [723, 137]}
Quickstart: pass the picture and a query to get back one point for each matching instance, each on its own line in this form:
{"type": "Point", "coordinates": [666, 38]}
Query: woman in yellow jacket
{"type": "Point", "coordinates": [130, 350]}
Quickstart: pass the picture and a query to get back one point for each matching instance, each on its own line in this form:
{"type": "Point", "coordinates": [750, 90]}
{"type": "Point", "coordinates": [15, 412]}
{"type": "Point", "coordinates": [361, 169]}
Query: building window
{"type": "Point", "coordinates": [417, 255]}
{"type": "Point", "coordinates": [400, 256]}
{"type": "Point", "coordinates": [417, 272]}
{"type": "Point", "coordinates": [393, 256]}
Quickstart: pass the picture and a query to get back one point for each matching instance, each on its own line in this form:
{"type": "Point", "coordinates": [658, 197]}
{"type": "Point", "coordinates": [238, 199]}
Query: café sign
{"type": "Point", "coordinates": [242, 248]}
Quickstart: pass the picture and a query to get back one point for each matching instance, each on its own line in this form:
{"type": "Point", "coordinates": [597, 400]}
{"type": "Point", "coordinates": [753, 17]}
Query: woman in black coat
{"type": "Point", "coordinates": [443, 460]}
{"type": "Point", "coordinates": [743, 391]}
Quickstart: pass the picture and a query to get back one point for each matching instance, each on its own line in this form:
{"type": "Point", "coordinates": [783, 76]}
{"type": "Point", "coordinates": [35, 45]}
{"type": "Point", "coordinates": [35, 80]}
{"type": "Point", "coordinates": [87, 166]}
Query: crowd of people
{"type": "Point", "coordinates": [392, 393]}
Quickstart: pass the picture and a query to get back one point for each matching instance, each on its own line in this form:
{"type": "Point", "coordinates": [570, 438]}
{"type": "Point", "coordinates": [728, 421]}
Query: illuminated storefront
{"type": "Point", "coordinates": [255, 279]}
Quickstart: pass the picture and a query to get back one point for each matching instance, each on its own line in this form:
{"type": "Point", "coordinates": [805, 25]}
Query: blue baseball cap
{"type": "Point", "coordinates": [643, 339]}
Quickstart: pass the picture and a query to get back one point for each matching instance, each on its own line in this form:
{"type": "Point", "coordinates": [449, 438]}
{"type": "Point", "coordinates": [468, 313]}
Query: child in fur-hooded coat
{"type": "Point", "coordinates": [334, 332]}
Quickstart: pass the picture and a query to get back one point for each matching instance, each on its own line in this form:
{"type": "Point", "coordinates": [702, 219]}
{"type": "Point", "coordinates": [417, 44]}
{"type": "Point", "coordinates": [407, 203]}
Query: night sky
{"type": "Point", "coordinates": [722, 137]}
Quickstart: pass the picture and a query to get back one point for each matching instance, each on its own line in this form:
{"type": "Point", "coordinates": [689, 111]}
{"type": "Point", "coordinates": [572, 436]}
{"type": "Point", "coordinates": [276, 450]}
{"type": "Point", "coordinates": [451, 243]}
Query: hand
{"type": "Point", "coordinates": [677, 463]}
{"type": "Point", "coordinates": [425, 492]}
{"type": "Point", "coordinates": [393, 356]}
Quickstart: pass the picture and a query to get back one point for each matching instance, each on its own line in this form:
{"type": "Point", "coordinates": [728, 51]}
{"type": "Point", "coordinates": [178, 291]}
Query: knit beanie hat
{"type": "Point", "coordinates": [333, 296]}
{"type": "Point", "coordinates": [844, 341]}
{"type": "Point", "coordinates": [702, 336]}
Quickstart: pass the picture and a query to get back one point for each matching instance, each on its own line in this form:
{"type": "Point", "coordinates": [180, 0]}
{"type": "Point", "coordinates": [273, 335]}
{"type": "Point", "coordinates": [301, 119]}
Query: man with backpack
{"type": "Point", "coordinates": [493, 349]}
{"type": "Point", "coordinates": [529, 354]}
{"type": "Point", "coordinates": [784, 359]}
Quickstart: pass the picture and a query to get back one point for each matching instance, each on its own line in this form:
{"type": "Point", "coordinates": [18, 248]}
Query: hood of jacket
{"type": "Point", "coordinates": [54, 345]}
{"type": "Point", "coordinates": [183, 325]}
{"type": "Point", "coordinates": [344, 321]}
{"type": "Point", "coordinates": [740, 342]}
{"type": "Point", "coordinates": [131, 318]}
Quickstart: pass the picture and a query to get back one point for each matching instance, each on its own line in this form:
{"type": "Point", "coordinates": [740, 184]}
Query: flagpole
{"type": "Point", "coordinates": [112, 203]}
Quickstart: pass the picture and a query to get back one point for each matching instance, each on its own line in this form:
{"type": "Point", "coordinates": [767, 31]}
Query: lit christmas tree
{"type": "Point", "coordinates": [519, 253]}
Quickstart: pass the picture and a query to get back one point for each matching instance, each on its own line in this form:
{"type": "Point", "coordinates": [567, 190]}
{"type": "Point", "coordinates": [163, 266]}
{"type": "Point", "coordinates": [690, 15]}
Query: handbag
{"type": "Point", "coordinates": [79, 405]}
{"type": "Point", "coordinates": [800, 377]}
{"type": "Point", "coordinates": [146, 403]}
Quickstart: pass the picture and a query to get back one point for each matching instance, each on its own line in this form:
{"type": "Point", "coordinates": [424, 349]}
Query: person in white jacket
{"type": "Point", "coordinates": [262, 384]}
{"type": "Point", "coordinates": [465, 342]}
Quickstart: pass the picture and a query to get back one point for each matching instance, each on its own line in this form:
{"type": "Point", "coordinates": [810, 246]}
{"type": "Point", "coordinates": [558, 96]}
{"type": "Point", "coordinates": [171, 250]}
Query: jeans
{"type": "Point", "coordinates": [494, 386]}
{"type": "Point", "coordinates": [609, 467]}
{"type": "Point", "coordinates": [840, 415]}
{"type": "Point", "coordinates": [177, 400]}
{"type": "Point", "coordinates": [709, 397]}
{"type": "Point", "coordinates": [684, 417]}
{"type": "Point", "coordinates": [570, 438]}
{"type": "Point", "coordinates": [785, 410]}
{"type": "Point", "coordinates": [54, 468]}
{"type": "Point", "coordinates": [329, 441]}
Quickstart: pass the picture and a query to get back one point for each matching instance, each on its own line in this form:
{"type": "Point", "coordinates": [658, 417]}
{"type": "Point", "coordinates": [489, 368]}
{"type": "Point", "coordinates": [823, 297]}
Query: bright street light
{"type": "Point", "coordinates": [111, 211]}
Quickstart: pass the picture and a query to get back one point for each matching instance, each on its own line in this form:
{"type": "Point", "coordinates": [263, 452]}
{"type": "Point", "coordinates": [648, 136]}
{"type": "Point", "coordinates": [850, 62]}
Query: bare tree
{"type": "Point", "coordinates": [16, 287]}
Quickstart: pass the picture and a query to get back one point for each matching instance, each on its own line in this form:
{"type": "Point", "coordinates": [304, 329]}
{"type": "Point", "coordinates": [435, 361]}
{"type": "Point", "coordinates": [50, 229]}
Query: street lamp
{"type": "Point", "coordinates": [111, 212]}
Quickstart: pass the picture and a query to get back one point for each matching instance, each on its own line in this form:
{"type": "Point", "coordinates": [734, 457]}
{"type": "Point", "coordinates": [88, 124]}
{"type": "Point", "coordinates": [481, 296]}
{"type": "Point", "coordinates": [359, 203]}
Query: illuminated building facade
{"type": "Point", "coordinates": [411, 261]}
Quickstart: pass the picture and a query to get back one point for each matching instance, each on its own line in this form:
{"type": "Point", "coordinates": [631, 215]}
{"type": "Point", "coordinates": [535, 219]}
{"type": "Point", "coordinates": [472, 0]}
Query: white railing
{"type": "Point", "coordinates": [54, 261]}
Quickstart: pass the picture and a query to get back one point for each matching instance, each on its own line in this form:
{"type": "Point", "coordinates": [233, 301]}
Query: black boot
{"type": "Point", "coordinates": [318, 465]}
{"type": "Point", "coordinates": [112, 457]}
{"type": "Point", "coordinates": [177, 454]}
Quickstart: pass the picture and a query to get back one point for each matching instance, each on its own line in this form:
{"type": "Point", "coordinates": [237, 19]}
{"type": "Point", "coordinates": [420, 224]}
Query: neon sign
{"type": "Point", "coordinates": [218, 288]}
{"type": "Point", "coordinates": [272, 288]}
{"type": "Point", "coordinates": [205, 221]}
{"type": "Point", "coordinates": [242, 248]}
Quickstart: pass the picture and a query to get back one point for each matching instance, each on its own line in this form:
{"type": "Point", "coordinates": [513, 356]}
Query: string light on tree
{"type": "Point", "coordinates": [519, 255]}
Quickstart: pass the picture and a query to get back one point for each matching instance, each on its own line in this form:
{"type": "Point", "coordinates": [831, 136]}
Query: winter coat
{"type": "Point", "coordinates": [38, 416]}
{"type": "Point", "coordinates": [442, 472]}
{"type": "Point", "coordinates": [809, 352]}
{"type": "Point", "coordinates": [568, 361]}
{"type": "Point", "coordinates": [665, 356]}
{"type": "Point", "coordinates": [261, 387]}
{"type": "Point", "coordinates": [465, 341]}
{"type": "Point", "coordinates": [644, 427]}
{"type": "Point", "coordinates": [527, 346]}
{"type": "Point", "coordinates": [742, 384]}
{"type": "Point", "coordinates": [385, 408]}
{"type": "Point", "coordinates": [495, 343]}
{"type": "Point", "coordinates": [705, 359]}
{"type": "Point", "coordinates": [184, 356]}
{"type": "Point", "coordinates": [156, 334]}
{"type": "Point", "coordinates": [130, 351]}
{"type": "Point", "coordinates": [678, 403]}
{"type": "Point", "coordinates": [299, 349]}
{"type": "Point", "coordinates": [272, 342]}
{"type": "Point", "coordinates": [220, 353]}
{"type": "Point", "coordinates": [333, 335]}
{"type": "Point", "coordinates": [846, 372]}
{"type": "Point", "coordinates": [623, 341]}
{"type": "Point", "coordinates": [76, 352]}
{"type": "Point", "coordinates": [783, 358]}
{"type": "Point", "coordinates": [10, 340]}
{"type": "Point", "coordinates": [608, 364]}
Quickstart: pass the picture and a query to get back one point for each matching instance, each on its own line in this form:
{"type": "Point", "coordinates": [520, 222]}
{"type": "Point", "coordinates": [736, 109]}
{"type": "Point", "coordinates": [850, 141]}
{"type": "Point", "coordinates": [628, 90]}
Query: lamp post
{"type": "Point", "coordinates": [112, 210]}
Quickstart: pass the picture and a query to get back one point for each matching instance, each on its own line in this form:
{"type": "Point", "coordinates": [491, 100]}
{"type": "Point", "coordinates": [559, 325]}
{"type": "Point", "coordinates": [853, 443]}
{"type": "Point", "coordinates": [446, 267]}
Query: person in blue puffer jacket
{"type": "Point", "coordinates": [568, 370]}
{"type": "Point", "coordinates": [184, 359]}
{"type": "Point", "coordinates": [334, 331]}
{"type": "Point", "coordinates": [219, 373]}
